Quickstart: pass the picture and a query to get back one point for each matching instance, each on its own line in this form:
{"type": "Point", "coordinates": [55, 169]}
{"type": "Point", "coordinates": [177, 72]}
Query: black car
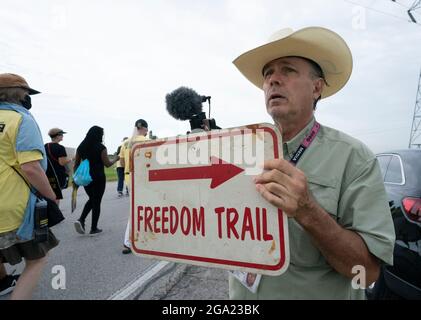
{"type": "Point", "coordinates": [401, 171]}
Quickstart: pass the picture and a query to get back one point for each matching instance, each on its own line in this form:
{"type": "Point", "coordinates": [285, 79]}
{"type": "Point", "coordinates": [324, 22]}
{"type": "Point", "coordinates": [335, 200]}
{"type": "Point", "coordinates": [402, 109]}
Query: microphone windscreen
{"type": "Point", "coordinates": [183, 103]}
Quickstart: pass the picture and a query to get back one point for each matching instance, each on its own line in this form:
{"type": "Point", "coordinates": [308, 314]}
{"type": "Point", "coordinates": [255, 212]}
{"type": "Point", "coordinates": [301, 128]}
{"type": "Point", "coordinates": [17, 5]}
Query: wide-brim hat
{"type": "Point", "coordinates": [10, 80]}
{"type": "Point", "coordinates": [320, 45]}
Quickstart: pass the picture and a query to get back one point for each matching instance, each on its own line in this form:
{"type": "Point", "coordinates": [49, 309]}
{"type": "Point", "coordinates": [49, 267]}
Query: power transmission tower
{"type": "Point", "coordinates": [416, 5]}
{"type": "Point", "coordinates": [416, 122]}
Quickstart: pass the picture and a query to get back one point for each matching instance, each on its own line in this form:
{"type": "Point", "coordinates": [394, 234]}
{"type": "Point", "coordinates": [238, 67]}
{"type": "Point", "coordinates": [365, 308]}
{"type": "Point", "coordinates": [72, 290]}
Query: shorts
{"type": "Point", "coordinates": [30, 250]}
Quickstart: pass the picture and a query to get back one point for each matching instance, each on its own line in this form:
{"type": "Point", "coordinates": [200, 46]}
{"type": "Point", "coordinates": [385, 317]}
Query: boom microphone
{"type": "Point", "coordinates": [183, 103]}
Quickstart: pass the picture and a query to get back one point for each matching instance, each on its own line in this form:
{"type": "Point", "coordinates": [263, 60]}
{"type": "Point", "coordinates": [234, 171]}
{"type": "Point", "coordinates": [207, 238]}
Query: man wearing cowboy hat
{"type": "Point", "coordinates": [328, 184]}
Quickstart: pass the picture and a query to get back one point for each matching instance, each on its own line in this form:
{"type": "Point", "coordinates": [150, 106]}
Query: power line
{"type": "Point", "coordinates": [381, 12]}
{"type": "Point", "coordinates": [402, 5]}
{"type": "Point", "coordinates": [416, 5]}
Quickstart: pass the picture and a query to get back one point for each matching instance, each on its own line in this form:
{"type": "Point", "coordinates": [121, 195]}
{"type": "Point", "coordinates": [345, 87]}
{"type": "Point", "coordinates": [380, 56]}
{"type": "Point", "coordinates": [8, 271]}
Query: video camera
{"type": "Point", "coordinates": [185, 104]}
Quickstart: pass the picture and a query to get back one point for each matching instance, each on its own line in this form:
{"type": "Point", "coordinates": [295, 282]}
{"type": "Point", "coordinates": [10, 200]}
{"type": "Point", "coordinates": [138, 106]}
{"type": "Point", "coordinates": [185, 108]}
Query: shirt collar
{"type": "Point", "coordinates": [292, 145]}
{"type": "Point", "coordinates": [14, 107]}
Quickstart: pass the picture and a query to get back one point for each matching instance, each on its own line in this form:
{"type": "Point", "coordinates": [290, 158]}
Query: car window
{"type": "Point", "coordinates": [383, 162]}
{"type": "Point", "coordinates": [394, 172]}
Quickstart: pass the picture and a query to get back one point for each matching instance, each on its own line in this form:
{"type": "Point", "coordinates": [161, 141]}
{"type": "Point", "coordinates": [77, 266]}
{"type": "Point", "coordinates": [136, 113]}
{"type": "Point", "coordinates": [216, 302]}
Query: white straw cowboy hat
{"type": "Point", "coordinates": [321, 45]}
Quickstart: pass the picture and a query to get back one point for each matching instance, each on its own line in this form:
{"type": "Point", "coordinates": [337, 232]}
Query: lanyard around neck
{"type": "Point", "coordinates": [305, 143]}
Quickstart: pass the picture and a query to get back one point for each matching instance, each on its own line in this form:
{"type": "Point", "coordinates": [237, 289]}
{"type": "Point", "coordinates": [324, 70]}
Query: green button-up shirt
{"type": "Point", "coordinates": [345, 179]}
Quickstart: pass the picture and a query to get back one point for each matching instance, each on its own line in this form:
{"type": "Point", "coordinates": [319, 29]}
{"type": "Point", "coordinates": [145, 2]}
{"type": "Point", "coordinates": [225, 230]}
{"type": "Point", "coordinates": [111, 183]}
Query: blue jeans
{"type": "Point", "coordinates": [120, 175]}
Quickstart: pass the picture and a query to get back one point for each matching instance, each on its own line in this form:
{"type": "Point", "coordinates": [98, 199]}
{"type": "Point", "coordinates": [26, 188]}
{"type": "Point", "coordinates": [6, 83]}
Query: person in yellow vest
{"type": "Point", "coordinates": [22, 164]}
{"type": "Point", "coordinates": [120, 172]}
{"type": "Point", "coordinates": [140, 134]}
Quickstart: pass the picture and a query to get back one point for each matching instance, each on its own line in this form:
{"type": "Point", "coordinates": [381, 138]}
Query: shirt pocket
{"type": "Point", "coordinates": [326, 192]}
{"type": "Point", "coordinates": [303, 251]}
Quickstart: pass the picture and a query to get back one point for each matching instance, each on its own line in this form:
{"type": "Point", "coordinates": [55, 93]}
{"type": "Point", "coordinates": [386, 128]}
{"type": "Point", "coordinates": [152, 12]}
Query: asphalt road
{"type": "Point", "coordinates": [94, 267]}
{"type": "Point", "coordinates": [200, 284]}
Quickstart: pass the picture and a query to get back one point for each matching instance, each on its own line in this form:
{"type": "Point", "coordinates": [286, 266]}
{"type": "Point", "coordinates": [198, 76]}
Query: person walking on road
{"type": "Point", "coordinates": [22, 161]}
{"type": "Point", "coordinates": [57, 162]}
{"type": "Point", "coordinates": [139, 135]}
{"type": "Point", "coordinates": [120, 173]}
{"type": "Point", "coordinates": [91, 148]}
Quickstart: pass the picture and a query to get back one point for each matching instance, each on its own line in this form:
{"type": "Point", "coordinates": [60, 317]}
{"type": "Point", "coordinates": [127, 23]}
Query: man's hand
{"type": "Point", "coordinates": [285, 186]}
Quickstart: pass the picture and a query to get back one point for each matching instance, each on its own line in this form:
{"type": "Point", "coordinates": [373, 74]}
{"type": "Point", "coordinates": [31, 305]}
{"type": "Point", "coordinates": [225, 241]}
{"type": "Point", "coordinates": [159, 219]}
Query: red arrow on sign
{"type": "Point", "coordinates": [219, 171]}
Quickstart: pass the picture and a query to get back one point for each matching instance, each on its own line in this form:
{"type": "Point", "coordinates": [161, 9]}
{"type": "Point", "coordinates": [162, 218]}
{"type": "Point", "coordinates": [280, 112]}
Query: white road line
{"type": "Point", "coordinates": [124, 293]}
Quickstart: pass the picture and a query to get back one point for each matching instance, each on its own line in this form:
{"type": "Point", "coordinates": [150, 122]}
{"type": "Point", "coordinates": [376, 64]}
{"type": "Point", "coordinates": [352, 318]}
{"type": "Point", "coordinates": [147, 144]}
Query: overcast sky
{"type": "Point", "coordinates": [109, 63]}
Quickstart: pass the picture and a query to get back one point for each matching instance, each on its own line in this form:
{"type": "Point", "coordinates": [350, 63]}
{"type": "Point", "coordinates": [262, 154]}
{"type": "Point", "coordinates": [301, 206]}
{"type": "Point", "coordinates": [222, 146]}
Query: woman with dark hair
{"type": "Point", "coordinates": [91, 148]}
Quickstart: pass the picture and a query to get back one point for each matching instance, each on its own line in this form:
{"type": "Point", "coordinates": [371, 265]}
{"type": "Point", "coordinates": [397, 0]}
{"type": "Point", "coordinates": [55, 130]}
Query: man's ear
{"type": "Point", "coordinates": [319, 84]}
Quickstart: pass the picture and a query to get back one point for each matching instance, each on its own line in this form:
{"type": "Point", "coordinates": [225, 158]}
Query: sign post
{"type": "Point", "coordinates": [194, 201]}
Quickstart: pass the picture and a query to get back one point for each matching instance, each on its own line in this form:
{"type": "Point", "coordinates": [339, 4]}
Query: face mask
{"type": "Point", "coordinates": [26, 102]}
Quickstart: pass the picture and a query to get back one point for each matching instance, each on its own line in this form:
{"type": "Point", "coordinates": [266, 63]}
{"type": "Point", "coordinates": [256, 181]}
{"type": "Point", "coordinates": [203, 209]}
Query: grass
{"type": "Point", "coordinates": [111, 173]}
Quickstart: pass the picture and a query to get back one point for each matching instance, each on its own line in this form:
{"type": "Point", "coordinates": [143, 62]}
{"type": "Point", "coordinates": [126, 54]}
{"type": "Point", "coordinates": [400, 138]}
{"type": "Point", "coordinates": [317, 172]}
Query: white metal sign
{"type": "Point", "coordinates": [194, 201]}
